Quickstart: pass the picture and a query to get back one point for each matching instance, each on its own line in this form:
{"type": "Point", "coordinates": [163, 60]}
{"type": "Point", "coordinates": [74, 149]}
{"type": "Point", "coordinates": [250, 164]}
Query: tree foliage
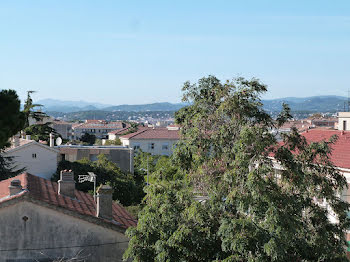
{"type": "Point", "coordinates": [127, 187]}
{"type": "Point", "coordinates": [228, 199]}
{"type": "Point", "coordinates": [89, 139]}
{"type": "Point", "coordinates": [11, 122]}
{"type": "Point", "coordinates": [29, 110]}
{"type": "Point", "coordinates": [11, 118]}
{"type": "Point", "coordinates": [41, 132]}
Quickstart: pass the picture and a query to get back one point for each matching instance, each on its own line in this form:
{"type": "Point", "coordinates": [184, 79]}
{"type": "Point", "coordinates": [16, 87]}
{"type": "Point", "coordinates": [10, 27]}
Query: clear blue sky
{"type": "Point", "coordinates": [134, 52]}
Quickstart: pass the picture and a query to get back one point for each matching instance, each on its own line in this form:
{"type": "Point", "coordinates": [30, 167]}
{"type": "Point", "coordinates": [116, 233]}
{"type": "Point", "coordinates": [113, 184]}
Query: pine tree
{"type": "Point", "coordinates": [11, 122]}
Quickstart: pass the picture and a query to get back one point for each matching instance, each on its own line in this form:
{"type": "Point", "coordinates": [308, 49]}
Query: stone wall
{"type": "Point", "coordinates": [47, 234]}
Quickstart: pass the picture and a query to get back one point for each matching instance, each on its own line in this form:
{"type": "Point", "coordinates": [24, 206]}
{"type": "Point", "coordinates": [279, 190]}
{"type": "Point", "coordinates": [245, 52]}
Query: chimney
{"type": "Point", "coordinates": [51, 140]}
{"type": "Point", "coordinates": [104, 202]}
{"type": "Point", "coordinates": [66, 184]}
{"type": "Point", "coordinates": [15, 187]}
{"type": "Point", "coordinates": [28, 137]}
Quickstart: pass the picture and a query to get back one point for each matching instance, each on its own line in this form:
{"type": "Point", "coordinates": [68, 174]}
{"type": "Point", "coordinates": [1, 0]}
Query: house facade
{"type": "Point", "coordinates": [47, 221]}
{"type": "Point", "coordinates": [98, 128]}
{"type": "Point", "coordinates": [157, 141]}
{"type": "Point", "coordinates": [115, 134]}
{"type": "Point", "coordinates": [63, 128]}
{"type": "Point", "coordinates": [122, 156]}
{"type": "Point", "coordinates": [38, 159]}
{"type": "Point", "coordinates": [344, 121]}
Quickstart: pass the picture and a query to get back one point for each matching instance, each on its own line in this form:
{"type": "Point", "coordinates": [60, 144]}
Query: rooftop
{"type": "Point", "coordinates": [46, 191]}
{"type": "Point", "coordinates": [153, 133]}
{"type": "Point", "coordinates": [119, 131]}
{"type": "Point", "coordinates": [341, 149]}
{"type": "Point", "coordinates": [100, 124]}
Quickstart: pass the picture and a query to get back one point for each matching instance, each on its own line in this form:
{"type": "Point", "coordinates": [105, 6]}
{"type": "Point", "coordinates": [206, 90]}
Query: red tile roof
{"type": "Point", "coordinates": [46, 191]}
{"type": "Point", "coordinates": [341, 149]}
{"type": "Point", "coordinates": [119, 132]}
{"type": "Point", "coordinates": [92, 124]}
{"type": "Point", "coordinates": [154, 133]}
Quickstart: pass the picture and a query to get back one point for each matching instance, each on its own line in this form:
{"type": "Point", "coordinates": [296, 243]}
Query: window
{"type": "Point", "coordinates": [136, 146]}
{"type": "Point", "coordinates": [33, 155]}
{"type": "Point", "coordinates": [344, 125]}
{"type": "Point", "coordinates": [150, 146]}
{"type": "Point", "coordinates": [165, 146]}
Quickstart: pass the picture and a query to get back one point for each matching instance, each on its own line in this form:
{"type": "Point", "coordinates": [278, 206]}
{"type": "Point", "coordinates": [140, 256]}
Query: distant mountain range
{"type": "Point", "coordinates": [53, 105]}
{"type": "Point", "coordinates": [312, 104]}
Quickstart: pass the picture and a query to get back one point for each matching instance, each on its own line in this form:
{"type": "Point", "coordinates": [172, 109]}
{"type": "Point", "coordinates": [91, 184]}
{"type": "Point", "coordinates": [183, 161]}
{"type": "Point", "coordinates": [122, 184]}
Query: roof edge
{"type": "Point", "coordinates": [91, 219]}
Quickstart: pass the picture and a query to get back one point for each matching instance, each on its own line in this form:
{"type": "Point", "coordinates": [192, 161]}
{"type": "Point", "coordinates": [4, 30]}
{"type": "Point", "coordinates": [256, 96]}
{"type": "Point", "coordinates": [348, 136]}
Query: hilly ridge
{"type": "Point", "coordinates": [312, 104]}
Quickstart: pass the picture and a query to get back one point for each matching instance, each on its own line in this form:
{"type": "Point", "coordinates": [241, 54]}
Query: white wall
{"type": "Point", "coordinates": [44, 165]}
{"type": "Point", "coordinates": [343, 116]}
{"type": "Point", "coordinates": [144, 145]}
{"type": "Point", "coordinates": [50, 229]}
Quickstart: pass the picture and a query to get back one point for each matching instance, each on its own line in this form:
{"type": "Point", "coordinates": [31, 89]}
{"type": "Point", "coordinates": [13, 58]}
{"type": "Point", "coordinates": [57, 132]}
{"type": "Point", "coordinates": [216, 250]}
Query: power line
{"type": "Point", "coordinates": [63, 247]}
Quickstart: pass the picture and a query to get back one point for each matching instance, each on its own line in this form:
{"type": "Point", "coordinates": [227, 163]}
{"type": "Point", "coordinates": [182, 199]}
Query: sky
{"type": "Point", "coordinates": [136, 52]}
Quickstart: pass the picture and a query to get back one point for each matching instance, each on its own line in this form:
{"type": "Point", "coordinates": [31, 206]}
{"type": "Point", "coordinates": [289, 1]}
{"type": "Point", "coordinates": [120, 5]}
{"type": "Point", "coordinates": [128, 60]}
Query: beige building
{"type": "Point", "coordinates": [122, 156]}
{"type": "Point", "coordinates": [47, 221]}
{"type": "Point", "coordinates": [157, 141]}
{"type": "Point", "coordinates": [63, 128]}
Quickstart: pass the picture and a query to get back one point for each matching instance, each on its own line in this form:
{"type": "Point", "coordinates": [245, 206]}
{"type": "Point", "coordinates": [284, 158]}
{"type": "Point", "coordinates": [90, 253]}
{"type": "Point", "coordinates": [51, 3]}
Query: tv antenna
{"type": "Point", "coordinates": [90, 177]}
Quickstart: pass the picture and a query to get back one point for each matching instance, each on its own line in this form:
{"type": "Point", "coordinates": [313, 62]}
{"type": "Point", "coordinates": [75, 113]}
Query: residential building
{"type": "Point", "coordinates": [99, 128]}
{"type": "Point", "coordinates": [37, 158]}
{"type": "Point", "coordinates": [63, 128]}
{"type": "Point", "coordinates": [344, 121]}
{"type": "Point", "coordinates": [113, 135]}
{"type": "Point", "coordinates": [122, 156]}
{"type": "Point", "coordinates": [47, 221]}
{"type": "Point", "coordinates": [324, 122]}
{"type": "Point", "coordinates": [157, 141]}
{"type": "Point", "coordinates": [300, 125]}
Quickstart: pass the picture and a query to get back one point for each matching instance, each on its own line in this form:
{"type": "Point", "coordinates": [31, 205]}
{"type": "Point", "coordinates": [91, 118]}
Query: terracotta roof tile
{"type": "Point", "coordinates": [154, 133]}
{"type": "Point", "coordinates": [341, 149]}
{"type": "Point", "coordinates": [119, 132]}
{"type": "Point", "coordinates": [47, 191]}
{"type": "Point", "coordinates": [92, 124]}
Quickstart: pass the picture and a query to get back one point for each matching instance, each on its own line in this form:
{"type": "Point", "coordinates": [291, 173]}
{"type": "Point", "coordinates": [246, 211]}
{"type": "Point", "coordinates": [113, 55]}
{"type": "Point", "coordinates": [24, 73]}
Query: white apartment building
{"type": "Point", "coordinates": [157, 141]}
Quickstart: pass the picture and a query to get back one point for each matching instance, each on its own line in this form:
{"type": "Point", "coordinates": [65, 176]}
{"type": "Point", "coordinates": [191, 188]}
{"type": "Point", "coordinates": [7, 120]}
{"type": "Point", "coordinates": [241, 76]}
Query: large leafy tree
{"type": "Point", "coordinates": [11, 122]}
{"type": "Point", "coordinates": [238, 195]}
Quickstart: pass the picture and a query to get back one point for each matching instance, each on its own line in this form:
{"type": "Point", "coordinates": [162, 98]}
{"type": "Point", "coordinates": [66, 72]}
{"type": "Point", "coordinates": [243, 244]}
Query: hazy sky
{"type": "Point", "coordinates": [134, 52]}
